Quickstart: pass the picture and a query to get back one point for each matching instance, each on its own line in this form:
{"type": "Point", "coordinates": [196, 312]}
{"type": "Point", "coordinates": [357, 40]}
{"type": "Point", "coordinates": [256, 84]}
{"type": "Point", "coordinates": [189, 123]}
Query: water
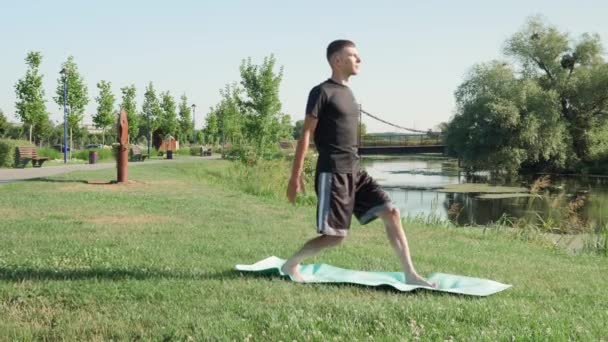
{"type": "Point", "coordinates": [413, 183]}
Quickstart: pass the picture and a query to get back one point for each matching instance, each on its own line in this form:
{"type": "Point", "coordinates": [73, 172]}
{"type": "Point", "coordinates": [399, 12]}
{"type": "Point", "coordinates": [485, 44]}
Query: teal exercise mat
{"type": "Point", "coordinates": [323, 273]}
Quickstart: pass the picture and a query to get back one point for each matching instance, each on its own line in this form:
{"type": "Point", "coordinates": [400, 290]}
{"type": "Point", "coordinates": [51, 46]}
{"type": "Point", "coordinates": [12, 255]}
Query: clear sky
{"type": "Point", "coordinates": [415, 53]}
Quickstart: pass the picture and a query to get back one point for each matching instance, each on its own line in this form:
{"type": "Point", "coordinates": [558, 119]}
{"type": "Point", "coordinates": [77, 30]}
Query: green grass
{"type": "Point", "coordinates": [154, 259]}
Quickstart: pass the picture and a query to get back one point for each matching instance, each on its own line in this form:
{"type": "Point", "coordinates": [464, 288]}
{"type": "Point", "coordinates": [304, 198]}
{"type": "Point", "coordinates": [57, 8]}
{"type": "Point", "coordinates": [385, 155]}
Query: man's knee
{"type": "Point", "coordinates": [333, 240]}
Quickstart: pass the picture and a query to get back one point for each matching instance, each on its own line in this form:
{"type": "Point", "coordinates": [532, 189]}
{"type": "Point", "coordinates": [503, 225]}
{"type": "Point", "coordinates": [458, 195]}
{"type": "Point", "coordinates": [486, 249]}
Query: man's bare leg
{"type": "Point", "coordinates": [397, 238]}
{"type": "Point", "coordinates": [310, 248]}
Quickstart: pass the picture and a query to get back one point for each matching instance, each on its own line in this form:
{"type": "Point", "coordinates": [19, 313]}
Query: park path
{"type": "Point", "coordinates": [14, 175]}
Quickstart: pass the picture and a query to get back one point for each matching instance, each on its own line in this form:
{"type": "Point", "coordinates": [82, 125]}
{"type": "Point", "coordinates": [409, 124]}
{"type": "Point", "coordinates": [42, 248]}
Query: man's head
{"type": "Point", "coordinates": [343, 57]}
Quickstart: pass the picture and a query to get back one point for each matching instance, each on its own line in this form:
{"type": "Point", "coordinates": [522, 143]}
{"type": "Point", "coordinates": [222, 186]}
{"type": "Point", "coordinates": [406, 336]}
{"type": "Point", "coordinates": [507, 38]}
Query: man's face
{"type": "Point", "coordinates": [348, 61]}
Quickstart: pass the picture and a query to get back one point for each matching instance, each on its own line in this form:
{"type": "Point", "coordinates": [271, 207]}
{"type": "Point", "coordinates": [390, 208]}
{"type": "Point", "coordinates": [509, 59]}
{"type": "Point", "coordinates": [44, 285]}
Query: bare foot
{"type": "Point", "coordinates": [415, 279]}
{"type": "Point", "coordinates": [293, 272]}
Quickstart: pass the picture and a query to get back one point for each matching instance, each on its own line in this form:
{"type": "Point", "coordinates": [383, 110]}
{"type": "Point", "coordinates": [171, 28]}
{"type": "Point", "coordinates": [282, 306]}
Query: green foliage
{"type": "Point", "coordinates": [297, 129]}
{"type": "Point", "coordinates": [3, 124]}
{"type": "Point", "coordinates": [168, 120]}
{"type": "Point", "coordinates": [549, 114]}
{"type": "Point", "coordinates": [261, 103]}
{"type": "Point", "coordinates": [8, 151]}
{"type": "Point", "coordinates": [211, 127]}
{"type": "Point", "coordinates": [50, 153]}
{"type": "Point", "coordinates": [102, 154]}
{"type": "Point", "coordinates": [248, 116]}
{"type": "Point", "coordinates": [30, 104]}
{"type": "Point", "coordinates": [186, 125]}
{"type": "Point", "coordinates": [151, 108]}
{"type": "Point", "coordinates": [184, 151]}
{"type": "Point", "coordinates": [129, 105]}
{"type": "Point", "coordinates": [105, 116]}
{"type": "Point", "coordinates": [77, 93]}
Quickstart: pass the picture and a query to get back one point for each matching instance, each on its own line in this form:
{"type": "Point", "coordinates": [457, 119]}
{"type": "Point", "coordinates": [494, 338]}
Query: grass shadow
{"type": "Point", "coordinates": [51, 180]}
{"type": "Point", "coordinates": [18, 274]}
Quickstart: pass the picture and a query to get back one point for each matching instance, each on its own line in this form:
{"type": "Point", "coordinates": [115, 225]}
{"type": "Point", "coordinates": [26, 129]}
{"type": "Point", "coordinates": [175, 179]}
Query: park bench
{"type": "Point", "coordinates": [27, 153]}
{"type": "Point", "coordinates": [136, 154]}
{"type": "Point", "coordinates": [207, 152]}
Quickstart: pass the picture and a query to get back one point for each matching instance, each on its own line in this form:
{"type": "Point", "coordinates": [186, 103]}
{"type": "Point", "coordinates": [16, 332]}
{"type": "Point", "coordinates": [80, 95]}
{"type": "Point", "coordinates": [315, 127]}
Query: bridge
{"type": "Point", "coordinates": [415, 141]}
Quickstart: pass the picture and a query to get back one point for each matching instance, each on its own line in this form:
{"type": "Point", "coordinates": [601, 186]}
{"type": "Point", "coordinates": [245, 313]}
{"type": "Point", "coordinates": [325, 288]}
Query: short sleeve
{"type": "Point", "coordinates": [316, 102]}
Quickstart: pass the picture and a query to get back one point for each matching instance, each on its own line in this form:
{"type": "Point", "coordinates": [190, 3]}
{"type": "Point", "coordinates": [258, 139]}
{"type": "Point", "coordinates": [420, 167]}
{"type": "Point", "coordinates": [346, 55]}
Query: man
{"type": "Point", "coordinates": [342, 188]}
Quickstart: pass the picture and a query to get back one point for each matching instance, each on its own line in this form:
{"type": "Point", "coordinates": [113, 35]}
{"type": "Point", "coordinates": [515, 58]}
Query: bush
{"type": "Point", "coordinates": [50, 153]}
{"type": "Point", "coordinates": [8, 151]}
{"type": "Point", "coordinates": [183, 151]}
{"type": "Point", "coordinates": [102, 154]}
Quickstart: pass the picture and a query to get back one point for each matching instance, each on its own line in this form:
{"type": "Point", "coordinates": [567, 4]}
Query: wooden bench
{"type": "Point", "coordinates": [206, 152]}
{"type": "Point", "coordinates": [136, 154]}
{"type": "Point", "coordinates": [27, 153]}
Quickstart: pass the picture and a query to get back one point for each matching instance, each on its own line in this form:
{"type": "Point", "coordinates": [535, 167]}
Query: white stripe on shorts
{"type": "Point", "coordinates": [324, 199]}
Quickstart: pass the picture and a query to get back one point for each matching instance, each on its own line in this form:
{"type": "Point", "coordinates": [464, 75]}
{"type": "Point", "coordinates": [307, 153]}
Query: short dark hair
{"type": "Point", "coordinates": [338, 45]}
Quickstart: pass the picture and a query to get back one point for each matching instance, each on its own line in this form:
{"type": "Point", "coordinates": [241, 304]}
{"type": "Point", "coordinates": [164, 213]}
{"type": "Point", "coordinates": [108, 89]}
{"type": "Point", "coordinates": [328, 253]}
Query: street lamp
{"type": "Point", "coordinates": [64, 76]}
{"type": "Point", "coordinates": [194, 123]}
{"type": "Point", "coordinates": [149, 133]}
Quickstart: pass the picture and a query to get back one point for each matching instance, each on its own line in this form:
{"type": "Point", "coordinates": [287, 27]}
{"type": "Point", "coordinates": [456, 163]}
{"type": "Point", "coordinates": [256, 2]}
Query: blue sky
{"type": "Point", "coordinates": [414, 54]}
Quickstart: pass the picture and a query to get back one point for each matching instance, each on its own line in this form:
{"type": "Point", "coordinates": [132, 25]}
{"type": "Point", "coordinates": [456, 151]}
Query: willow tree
{"type": "Point", "coordinates": [546, 107]}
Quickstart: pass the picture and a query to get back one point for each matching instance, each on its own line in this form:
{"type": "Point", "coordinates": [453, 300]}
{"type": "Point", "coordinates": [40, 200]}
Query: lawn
{"type": "Point", "coordinates": [154, 259]}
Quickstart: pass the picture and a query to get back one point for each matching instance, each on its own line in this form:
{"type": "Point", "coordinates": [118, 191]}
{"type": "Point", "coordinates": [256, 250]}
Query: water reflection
{"type": "Point", "coordinates": [412, 182]}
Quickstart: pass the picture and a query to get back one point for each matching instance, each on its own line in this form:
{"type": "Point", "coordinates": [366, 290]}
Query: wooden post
{"type": "Point", "coordinates": [123, 149]}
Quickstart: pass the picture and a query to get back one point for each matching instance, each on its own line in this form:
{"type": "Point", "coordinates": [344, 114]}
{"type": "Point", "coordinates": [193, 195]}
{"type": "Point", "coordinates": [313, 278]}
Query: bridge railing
{"type": "Point", "coordinates": [401, 140]}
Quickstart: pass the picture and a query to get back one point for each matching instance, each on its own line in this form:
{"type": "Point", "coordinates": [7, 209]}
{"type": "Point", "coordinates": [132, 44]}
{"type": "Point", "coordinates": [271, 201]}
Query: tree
{"type": "Point", "coordinates": [211, 127]}
{"type": "Point", "coordinates": [77, 95]}
{"type": "Point", "coordinates": [43, 129]}
{"type": "Point", "coordinates": [130, 107]}
{"type": "Point", "coordinates": [31, 107]}
{"type": "Point", "coordinates": [168, 121]}
{"type": "Point", "coordinates": [186, 126]}
{"type": "Point", "coordinates": [151, 110]}
{"type": "Point", "coordinates": [504, 121]}
{"type": "Point", "coordinates": [230, 115]}
{"type": "Point", "coordinates": [545, 112]}
{"type": "Point", "coordinates": [105, 116]}
{"type": "Point", "coordinates": [3, 124]}
{"type": "Point", "coordinates": [261, 104]}
{"type": "Point", "coordinates": [297, 129]}
{"type": "Point", "coordinates": [573, 69]}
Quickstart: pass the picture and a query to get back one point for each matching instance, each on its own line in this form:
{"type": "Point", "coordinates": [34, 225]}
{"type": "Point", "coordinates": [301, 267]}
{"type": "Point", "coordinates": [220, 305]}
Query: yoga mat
{"type": "Point", "coordinates": [323, 273]}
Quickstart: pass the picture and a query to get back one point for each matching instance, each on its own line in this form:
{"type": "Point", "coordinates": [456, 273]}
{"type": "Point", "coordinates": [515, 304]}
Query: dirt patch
{"type": "Point", "coordinates": [9, 213]}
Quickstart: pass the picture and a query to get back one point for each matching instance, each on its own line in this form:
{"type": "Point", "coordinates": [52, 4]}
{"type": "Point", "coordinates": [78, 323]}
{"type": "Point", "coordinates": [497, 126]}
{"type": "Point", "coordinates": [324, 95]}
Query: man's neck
{"type": "Point", "coordinates": [339, 78]}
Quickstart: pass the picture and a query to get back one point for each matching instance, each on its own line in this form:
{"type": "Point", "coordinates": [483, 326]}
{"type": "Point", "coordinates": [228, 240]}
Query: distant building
{"type": "Point", "coordinates": [92, 129]}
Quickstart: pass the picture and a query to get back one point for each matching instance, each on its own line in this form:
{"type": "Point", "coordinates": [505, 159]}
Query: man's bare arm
{"type": "Point", "coordinates": [295, 181]}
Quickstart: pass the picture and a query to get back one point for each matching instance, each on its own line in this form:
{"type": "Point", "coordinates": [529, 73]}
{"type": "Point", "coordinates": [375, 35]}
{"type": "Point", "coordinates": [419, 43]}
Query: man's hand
{"type": "Point", "coordinates": [294, 186]}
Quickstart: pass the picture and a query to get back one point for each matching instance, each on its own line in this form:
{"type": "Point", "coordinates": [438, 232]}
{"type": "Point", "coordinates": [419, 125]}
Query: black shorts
{"type": "Point", "coordinates": [340, 195]}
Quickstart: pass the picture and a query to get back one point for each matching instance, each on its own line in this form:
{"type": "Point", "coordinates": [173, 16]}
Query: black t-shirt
{"type": "Point", "coordinates": [335, 107]}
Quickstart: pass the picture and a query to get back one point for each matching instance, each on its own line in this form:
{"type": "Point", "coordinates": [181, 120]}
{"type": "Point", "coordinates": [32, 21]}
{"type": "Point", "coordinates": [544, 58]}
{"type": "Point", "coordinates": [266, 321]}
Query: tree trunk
{"type": "Point", "coordinates": [71, 147]}
{"type": "Point", "coordinates": [103, 136]}
{"type": "Point", "coordinates": [31, 128]}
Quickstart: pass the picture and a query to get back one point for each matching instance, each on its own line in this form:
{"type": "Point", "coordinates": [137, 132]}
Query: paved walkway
{"type": "Point", "coordinates": [13, 175]}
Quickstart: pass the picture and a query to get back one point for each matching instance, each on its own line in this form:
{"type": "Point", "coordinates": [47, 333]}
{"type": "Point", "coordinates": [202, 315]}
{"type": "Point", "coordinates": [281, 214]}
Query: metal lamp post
{"type": "Point", "coordinates": [194, 123]}
{"type": "Point", "coordinates": [149, 133]}
{"type": "Point", "coordinates": [64, 74]}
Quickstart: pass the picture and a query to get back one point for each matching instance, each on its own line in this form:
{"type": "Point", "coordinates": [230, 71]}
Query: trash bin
{"type": "Point", "coordinates": [93, 157]}
{"type": "Point", "coordinates": [169, 154]}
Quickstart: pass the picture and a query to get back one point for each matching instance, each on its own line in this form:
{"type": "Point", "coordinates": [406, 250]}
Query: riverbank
{"type": "Point", "coordinates": [153, 259]}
